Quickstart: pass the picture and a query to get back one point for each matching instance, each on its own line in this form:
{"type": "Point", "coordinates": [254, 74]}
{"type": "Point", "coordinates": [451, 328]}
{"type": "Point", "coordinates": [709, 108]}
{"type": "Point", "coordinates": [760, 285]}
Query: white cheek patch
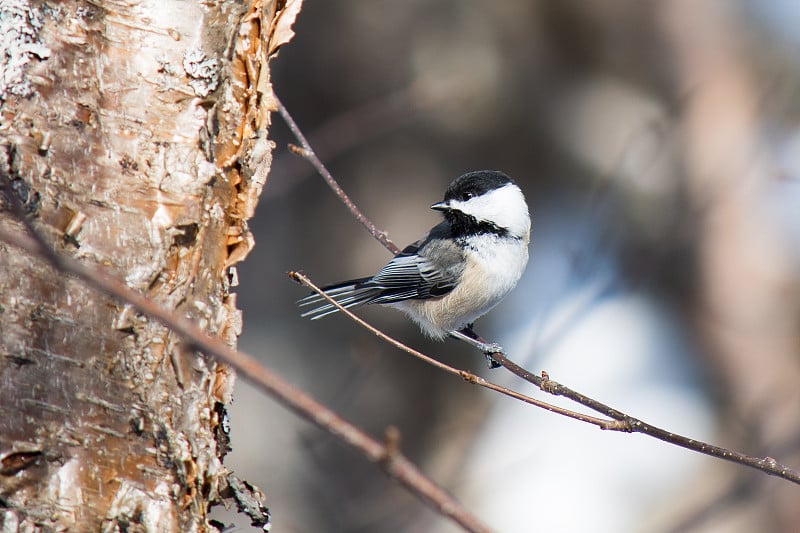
{"type": "Point", "coordinates": [504, 207]}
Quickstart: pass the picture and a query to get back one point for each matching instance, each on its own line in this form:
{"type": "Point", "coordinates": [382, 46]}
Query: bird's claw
{"type": "Point", "coordinates": [491, 362]}
{"type": "Point", "coordinates": [490, 348]}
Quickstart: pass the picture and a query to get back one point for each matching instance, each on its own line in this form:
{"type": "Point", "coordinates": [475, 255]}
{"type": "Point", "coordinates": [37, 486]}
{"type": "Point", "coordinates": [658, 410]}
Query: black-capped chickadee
{"type": "Point", "coordinates": [459, 271]}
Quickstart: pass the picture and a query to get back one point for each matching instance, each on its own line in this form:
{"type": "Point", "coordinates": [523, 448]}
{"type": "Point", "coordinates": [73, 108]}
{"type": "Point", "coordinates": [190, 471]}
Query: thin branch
{"type": "Point", "coordinates": [620, 421]}
{"type": "Point", "coordinates": [306, 152]}
{"type": "Point", "coordinates": [394, 464]}
{"type": "Point", "coordinates": [767, 465]}
{"type": "Point", "coordinates": [463, 374]}
{"type": "Point", "coordinates": [354, 126]}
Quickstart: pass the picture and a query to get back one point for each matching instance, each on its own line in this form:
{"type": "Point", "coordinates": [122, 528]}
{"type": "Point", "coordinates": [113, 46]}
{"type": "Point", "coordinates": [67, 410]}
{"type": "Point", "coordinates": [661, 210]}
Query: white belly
{"type": "Point", "coordinates": [488, 277]}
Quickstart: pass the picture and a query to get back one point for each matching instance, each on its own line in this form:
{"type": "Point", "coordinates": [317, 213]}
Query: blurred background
{"type": "Point", "coordinates": [657, 144]}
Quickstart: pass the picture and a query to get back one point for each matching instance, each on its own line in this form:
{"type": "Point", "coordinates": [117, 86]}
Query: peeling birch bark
{"type": "Point", "coordinates": [135, 136]}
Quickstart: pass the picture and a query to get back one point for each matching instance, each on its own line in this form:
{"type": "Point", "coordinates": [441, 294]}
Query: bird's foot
{"type": "Point", "coordinates": [489, 349]}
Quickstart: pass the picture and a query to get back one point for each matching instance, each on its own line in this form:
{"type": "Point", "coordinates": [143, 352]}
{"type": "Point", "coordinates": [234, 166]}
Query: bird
{"type": "Point", "coordinates": [458, 272]}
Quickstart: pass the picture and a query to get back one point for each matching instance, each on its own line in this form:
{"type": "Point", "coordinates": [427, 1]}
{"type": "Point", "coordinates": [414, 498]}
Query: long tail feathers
{"type": "Point", "coordinates": [347, 294]}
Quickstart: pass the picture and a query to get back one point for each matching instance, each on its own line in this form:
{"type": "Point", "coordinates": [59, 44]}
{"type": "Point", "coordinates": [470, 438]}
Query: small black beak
{"type": "Point", "coordinates": [441, 206]}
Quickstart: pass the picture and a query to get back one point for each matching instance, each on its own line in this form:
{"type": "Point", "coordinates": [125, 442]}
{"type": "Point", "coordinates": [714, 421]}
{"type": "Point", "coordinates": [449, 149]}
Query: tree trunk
{"type": "Point", "coordinates": [133, 135]}
{"type": "Point", "coordinates": [746, 311]}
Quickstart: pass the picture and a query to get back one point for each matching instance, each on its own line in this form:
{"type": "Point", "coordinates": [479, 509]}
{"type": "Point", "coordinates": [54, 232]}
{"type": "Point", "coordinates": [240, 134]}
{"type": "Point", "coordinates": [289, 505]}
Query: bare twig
{"type": "Point", "coordinates": [305, 151]}
{"type": "Point", "coordinates": [463, 374]}
{"type": "Point", "coordinates": [393, 463]}
{"type": "Point", "coordinates": [352, 127]}
{"type": "Point", "coordinates": [620, 421]}
{"type": "Point", "coordinates": [767, 465]}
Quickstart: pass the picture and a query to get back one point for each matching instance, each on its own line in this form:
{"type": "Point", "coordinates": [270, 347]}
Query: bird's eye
{"type": "Point", "coordinates": [467, 195]}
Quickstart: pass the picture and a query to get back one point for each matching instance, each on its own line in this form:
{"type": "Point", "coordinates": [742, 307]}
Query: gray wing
{"type": "Point", "coordinates": [427, 268]}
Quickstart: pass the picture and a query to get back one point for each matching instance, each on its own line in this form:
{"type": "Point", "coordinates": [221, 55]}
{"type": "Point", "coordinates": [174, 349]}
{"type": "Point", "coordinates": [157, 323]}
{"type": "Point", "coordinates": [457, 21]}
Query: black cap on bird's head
{"type": "Point", "coordinates": [476, 183]}
{"type": "Point", "coordinates": [472, 184]}
{"type": "Point", "coordinates": [485, 201]}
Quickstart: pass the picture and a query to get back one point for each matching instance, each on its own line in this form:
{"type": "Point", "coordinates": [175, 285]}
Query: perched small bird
{"type": "Point", "coordinates": [459, 271]}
